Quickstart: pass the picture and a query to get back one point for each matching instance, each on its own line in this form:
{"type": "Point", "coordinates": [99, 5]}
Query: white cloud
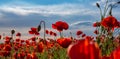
{"type": "Point", "coordinates": [81, 23]}
{"type": "Point", "coordinates": [61, 9]}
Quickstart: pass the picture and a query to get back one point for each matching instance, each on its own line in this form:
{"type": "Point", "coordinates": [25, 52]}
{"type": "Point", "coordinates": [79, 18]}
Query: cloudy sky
{"type": "Point", "coordinates": [21, 15]}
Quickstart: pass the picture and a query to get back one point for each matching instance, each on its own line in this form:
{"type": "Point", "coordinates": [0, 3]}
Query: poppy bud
{"type": "Point", "coordinates": [110, 13]}
{"type": "Point", "coordinates": [96, 24]}
{"type": "Point", "coordinates": [46, 31]}
{"type": "Point", "coordinates": [0, 36]}
{"type": "Point", "coordinates": [54, 34]}
{"type": "Point", "coordinates": [18, 34]}
{"type": "Point", "coordinates": [39, 28]}
{"type": "Point", "coordinates": [79, 32]}
{"type": "Point", "coordinates": [97, 4]}
{"type": "Point", "coordinates": [12, 31]}
{"type": "Point", "coordinates": [118, 2]}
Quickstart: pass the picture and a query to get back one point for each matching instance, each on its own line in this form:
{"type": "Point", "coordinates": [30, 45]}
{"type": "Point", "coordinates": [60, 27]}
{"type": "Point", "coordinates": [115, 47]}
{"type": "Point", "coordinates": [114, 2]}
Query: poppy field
{"type": "Point", "coordinates": [104, 45]}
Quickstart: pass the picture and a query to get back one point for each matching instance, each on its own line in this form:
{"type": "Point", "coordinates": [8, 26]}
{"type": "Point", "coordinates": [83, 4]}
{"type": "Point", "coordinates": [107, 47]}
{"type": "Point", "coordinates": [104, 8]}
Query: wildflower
{"type": "Point", "coordinates": [64, 42]}
{"type": "Point", "coordinates": [110, 22]}
{"type": "Point", "coordinates": [79, 32]}
{"type": "Point", "coordinates": [115, 54]}
{"type": "Point", "coordinates": [22, 55]}
{"type": "Point", "coordinates": [83, 35]}
{"type": "Point", "coordinates": [18, 40]}
{"type": "Point", "coordinates": [106, 57]}
{"type": "Point", "coordinates": [7, 39]}
{"type": "Point", "coordinates": [34, 31]}
{"type": "Point", "coordinates": [47, 32]}
{"type": "Point", "coordinates": [51, 33]}
{"type": "Point", "coordinates": [54, 34]}
{"type": "Point", "coordinates": [96, 24]}
{"type": "Point", "coordinates": [84, 49]}
{"type": "Point", "coordinates": [33, 38]}
{"type": "Point", "coordinates": [28, 56]}
{"type": "Point", "coordinates": [34, 56]}
{"type": "Point", "coordinates": [18, 34]}
{"type": "Point", "coordinates": [60, 25]}
{"type": "Point", "coordinates": [40, 47]}
{"type": "Point", "coordinates": [6, 53]}
{"type": "Point", "coordinates": [96, 32]}
{"type": "Point", "coordinates": [7, 48]}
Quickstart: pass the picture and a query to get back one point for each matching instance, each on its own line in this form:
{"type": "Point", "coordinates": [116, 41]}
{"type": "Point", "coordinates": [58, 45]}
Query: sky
{"type": "Point", "coordinates": [21, 15]}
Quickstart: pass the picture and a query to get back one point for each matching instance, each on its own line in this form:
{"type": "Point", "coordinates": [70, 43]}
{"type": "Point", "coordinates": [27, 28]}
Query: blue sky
{"type": "Point", "coordinates": [24, 14]}
{"type": "Point", "coordinates": [46, 2]}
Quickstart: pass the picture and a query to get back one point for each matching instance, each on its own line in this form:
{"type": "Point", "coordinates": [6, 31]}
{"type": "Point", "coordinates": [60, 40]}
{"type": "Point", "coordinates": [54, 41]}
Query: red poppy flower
{"type": "Point", "coordinates": [7, 47]}
{"type": "Point", "coordinates": [5, 53]}
{"type": "Point", "coordinates": [60, 25]}
{"type": "Point", "coordinates": [66, 26]}
{"type": "Point", "coordinates": [20, 55]}
{"type": "Point", "coordinates": [110, 22]}
{"type": "Point", "coordinates": [84, 49]}
{"type": "Point", "coordinates": [15, 55]}
{"type": "Point", "coordinates": [79, 32]}
{"type": "Point", "coordinates": [115, 54]}
{"type": "Point", "coordinates": [83, 35]}
{"type": "Point", "coordinates": [33, 38]}
{"type": "Point", "coordinates": [47, 32]}
{"type": "Point", "coordinates": [54, 34]}
{"type": "Point", "coordinates": [16, 48]}
{"type": "Point", "coordinates": [18, 34]}
{"type": "Point", "coordinates": [64, 42]}
{"type": "Point", "coordinates": [54, 26]}
{"type": "Point", "coordinates": [49, 45]}
{"type": "Point", "coordinates": [22, 41]}
{"type": "Point", "coordinates": [17, 40]}
{"type": "Point", "coordinates": [96, 24]}
{"type": "Point", "coordinates": [28, 56]}
{"type": "Point", "coordinates": [40, 47]}
{"type": "Point", "coordinates": [106, 57]}
{"type": "Point", "coordinates": [1, 46]}
{"type": "Point", "coordinates": [7, 39]}
{"type": "Point", "coordinates": [27, 42]}
{"type": "Point", "coordinates": [34, 56]}
{"type": "Point", "coordinates": [34, 31]}
{"type": "Point", "coordinates": [96, 32]}
{"type": "Point", "coordinates": [51, 33]}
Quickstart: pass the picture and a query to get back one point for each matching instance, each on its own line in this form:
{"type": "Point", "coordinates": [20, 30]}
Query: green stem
{"type": "Point", "coordinates": [44, 27]}
{"type": "Point", "coordinates": [61, 35]}
{"type": "Point", "coordinates": [105, 9]}
{"type": "Point", "coordinates": [101, 13]}
{"type": "Point", "coordinates": [71, 35]}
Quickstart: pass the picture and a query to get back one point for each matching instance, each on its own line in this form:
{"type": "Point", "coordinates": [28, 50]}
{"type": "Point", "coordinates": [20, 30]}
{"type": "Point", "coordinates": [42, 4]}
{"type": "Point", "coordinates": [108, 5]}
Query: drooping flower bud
{"type": "Point", "coordinates": [0, 36]}
{"type": "Point", "coordinates": [39, 28]}
{"type": "Point", "coordinates": [110, 13]}
{"type": "Point", "coordinates": [97, 4]}
{"type": "Point", "coordinates": [12, 31]}
{"type": "Point", "coordinates": [118, 2]}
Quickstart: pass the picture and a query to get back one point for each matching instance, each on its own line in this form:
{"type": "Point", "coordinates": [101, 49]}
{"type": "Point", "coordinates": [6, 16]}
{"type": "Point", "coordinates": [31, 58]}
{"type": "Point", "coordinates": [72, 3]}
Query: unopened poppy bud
{"type": "Point", "coordinates": [118, 2]}
{"type": "Point", "coordinates": [39, 28]}
{"type": "Point", "coordinates": [12, 31]}
{"type": "Point", "coordinates": [0, 36]}
{"type": "Point", "coordinates": [97, 4]}
{"type": "Point", "coordinates": [110, 13]}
